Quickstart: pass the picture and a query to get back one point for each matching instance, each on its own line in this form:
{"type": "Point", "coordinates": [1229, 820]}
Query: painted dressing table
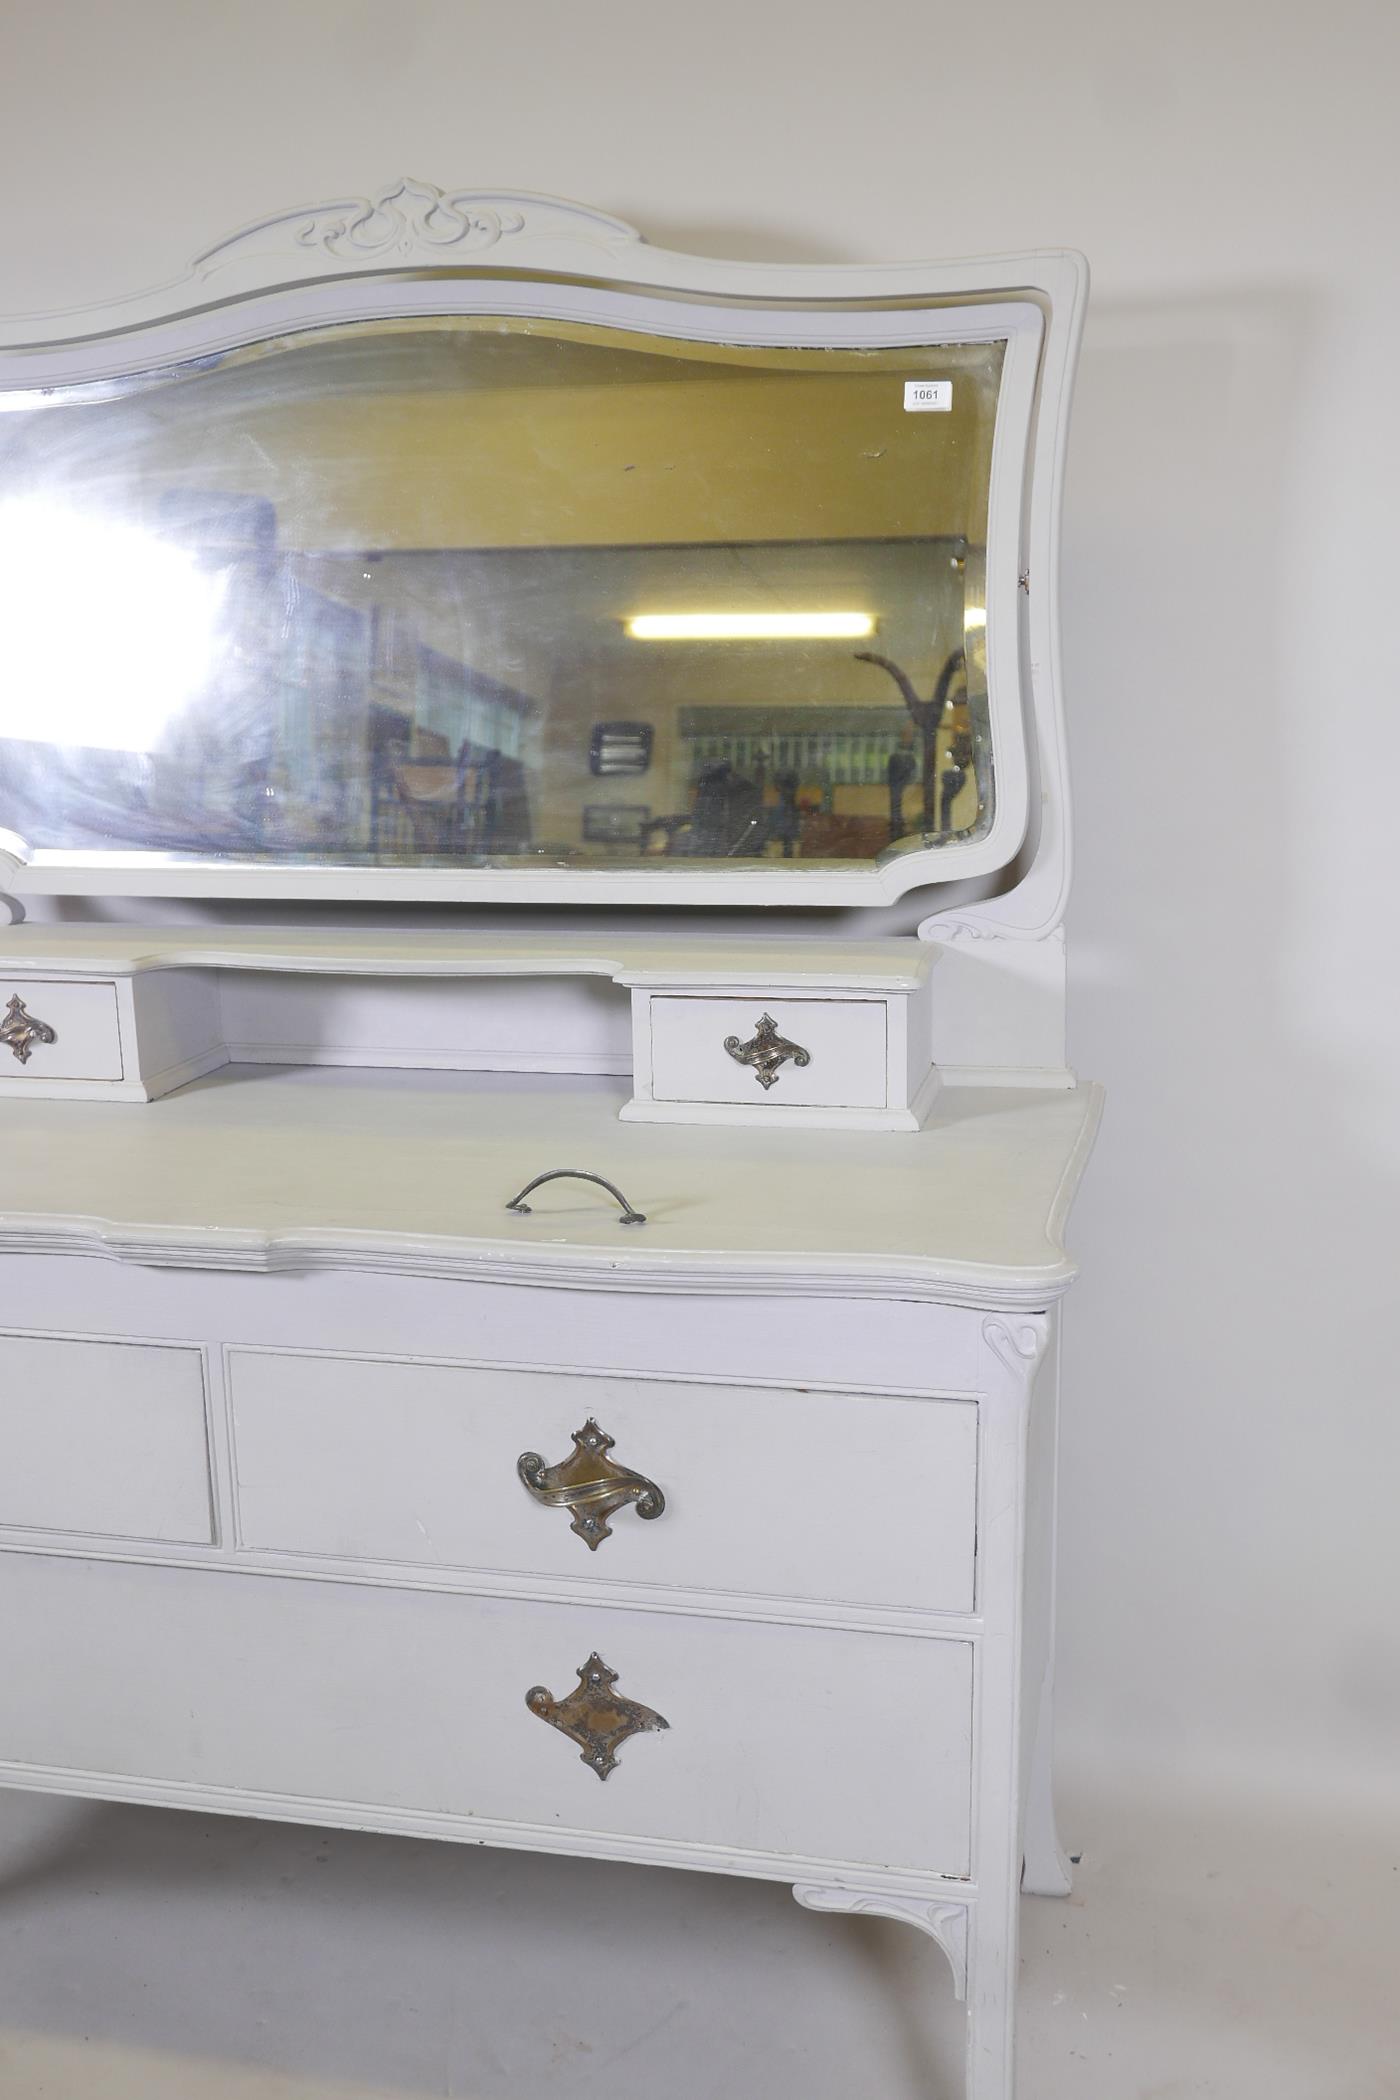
{"type": "Point", "coordinates": [534, 1134]}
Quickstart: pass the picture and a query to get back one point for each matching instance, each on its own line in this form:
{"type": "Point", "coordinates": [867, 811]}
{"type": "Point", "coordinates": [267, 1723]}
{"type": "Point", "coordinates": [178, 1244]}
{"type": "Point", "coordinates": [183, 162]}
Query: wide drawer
{"type": "Point", "coordinates": [53, 1030]}
{"type": "Point", "coordinates": [844, 1041]}
{"type": "Point", "coordinates": [785, 1742]}
{"type": "Point", "coordinates": [861, 1498]}
{"type": "Point", "coordinates": [104, 1437]}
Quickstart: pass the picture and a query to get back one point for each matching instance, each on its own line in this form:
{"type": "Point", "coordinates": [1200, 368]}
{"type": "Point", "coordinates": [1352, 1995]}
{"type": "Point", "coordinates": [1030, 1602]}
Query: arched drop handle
{"type": "Point", "coordinates": [629, 1216]}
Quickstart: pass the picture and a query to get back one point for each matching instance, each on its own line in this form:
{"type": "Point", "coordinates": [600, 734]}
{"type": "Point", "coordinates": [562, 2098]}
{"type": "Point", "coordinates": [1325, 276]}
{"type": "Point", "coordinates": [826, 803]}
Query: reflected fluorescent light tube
{"type": "Point", "coordinates": [974, 616]}
{"type": "Point", "coordinates": [750, 627]}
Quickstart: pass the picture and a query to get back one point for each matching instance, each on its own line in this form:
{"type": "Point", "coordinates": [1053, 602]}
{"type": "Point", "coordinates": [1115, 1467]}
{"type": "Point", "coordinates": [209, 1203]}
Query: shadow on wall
{"type": "Point", "coordinates": [1222, 1481]}
{"type": "Point", "coordinates": [747, 241]}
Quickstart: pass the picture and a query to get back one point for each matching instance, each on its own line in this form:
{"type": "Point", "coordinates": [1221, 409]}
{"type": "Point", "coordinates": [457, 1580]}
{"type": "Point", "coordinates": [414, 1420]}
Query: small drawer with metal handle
{"type": "Point", "coordinates": [770, 1053]}
{"type": "Point", "coordinates": [52, 1029]}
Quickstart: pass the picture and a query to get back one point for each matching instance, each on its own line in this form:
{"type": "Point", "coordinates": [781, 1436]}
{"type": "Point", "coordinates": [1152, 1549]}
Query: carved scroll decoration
{"type": "Point", "coordinates": [944, 1922]}
{"type": "Point", "coordinates": [408, 221]}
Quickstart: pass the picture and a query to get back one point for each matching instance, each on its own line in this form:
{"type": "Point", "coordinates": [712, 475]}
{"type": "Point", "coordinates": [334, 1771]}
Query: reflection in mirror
{"type": "Point", "coordinates": [501, 592]}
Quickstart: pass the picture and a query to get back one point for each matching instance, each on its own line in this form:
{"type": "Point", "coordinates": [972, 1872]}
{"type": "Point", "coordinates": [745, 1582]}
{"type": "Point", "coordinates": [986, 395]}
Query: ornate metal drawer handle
{"type": "Point", "coordinates": [590, 1484]}
{"type": "Point", "coordinates": [629, 1216]}
{"type": "Point", "coordinates": [22, 1029]}
{"type": "Point", "coordinates": [766, 1050]}
{"type": "Point", "coordinates": [594, 1716]}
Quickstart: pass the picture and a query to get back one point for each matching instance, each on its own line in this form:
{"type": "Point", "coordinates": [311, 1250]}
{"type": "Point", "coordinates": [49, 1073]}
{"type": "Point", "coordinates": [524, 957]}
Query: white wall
{"type": "Point", "coordinates": [1231, 1553]}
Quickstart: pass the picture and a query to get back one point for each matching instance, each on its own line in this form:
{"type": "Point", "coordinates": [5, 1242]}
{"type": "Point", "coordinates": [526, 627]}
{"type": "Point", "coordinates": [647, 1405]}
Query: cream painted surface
{"type": "Point", "coordinates": [258, 1168]}
{"type": "Point", "coordinates": [280, 1683]}
{"type": "Point", "coordinates": [623, 954]}
{"type": "Point", "coordinates": [87, 1037]}
{"type": "Point", "coordinates": [369, 1461]}
{"type": "Point", "coordinates": [103, 1437]}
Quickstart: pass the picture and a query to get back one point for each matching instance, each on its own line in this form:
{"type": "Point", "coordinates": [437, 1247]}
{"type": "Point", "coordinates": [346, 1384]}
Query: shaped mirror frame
{"type": "Point", "coordinates": [412, 252]}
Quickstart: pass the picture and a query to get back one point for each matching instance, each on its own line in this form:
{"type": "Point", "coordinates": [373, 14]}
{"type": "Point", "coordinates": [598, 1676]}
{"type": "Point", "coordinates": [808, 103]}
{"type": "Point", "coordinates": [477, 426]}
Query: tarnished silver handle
{"type": "Point", "coordinates": [21, 1030]}
{"type": "Point", "coordinates": [766, 1051]}
{"type": "Point", "coordinates": [594, 1715]}
{"type": "Point", "coordinates": [629, 1216]}
{"type": "Point", "coordinates": [590, 1485]}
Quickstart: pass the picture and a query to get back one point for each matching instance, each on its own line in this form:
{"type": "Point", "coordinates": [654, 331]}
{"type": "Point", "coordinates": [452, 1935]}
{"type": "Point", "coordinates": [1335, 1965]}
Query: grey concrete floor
{"type": "Point", "coordinates": [1210, 1949]}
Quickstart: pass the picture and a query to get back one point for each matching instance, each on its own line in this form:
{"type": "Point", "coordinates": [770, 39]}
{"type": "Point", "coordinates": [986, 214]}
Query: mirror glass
{"type": "Point", "coordinates": [500, 592]}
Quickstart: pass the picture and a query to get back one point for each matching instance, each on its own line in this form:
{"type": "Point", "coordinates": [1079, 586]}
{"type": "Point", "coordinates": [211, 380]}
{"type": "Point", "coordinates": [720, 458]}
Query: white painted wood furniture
{"type": "Point", "coordinates": [115, 1015]}
{"type": "Point", "coordinates": [696, 1507]}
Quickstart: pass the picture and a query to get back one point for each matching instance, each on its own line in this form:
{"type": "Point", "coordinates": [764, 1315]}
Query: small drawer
{"type": "Point", "coordinates": [50, 1029]}
{"type": "Point", "coordinates": [780, 1743]}
{"type": "Point", "coordinates": [104, 1437]}
{"type": "Point", "coordinates": [786, 1053]}
{"type": "Point", "coordinates": [863, 1499]}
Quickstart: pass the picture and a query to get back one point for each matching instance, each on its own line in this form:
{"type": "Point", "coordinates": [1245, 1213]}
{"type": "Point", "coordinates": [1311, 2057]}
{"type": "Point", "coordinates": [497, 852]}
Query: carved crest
{"type": "Point", "coordinates": [402, 219]}
{"type": "Point", "coordinates": [408, 222]}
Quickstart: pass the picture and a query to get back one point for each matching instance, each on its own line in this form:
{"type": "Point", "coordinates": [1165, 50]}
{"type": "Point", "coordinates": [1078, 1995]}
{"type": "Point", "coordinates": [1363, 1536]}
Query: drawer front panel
{"type": "Point", "coordinates": [58, 1031]}
{"type": "Point", "coordinates": [861, 1499]}
{"type": "Point", "coordinates": [780, 1740]}
{"type": "Point", "coordinates": [104, 1437]}
{"type": "Point", "coordinates": [845, 1039]}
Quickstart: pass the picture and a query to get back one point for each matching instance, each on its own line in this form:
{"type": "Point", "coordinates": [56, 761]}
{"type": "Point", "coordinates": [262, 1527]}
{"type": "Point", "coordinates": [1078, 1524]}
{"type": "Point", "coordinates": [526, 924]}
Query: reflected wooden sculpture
{"type": "Point", "coordinates": [899, 772]}
{"type": "Point", "coordinates": [927, 717]}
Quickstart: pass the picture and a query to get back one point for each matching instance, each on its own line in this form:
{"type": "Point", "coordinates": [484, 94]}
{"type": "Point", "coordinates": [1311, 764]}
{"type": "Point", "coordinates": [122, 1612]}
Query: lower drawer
{"type": "Point", "coordinates": [787, 1742]}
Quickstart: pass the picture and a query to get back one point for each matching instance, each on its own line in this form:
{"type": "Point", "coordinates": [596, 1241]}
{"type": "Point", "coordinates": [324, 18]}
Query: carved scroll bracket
{"type": "Point", "coordinates": [944, 1922]}
{"type": "Point", "coordinates": [1018, 1344]}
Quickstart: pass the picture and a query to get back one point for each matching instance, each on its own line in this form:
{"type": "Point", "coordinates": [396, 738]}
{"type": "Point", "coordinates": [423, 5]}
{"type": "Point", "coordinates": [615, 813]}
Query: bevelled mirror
{"type": "Point", "coordinates": [621, 586]}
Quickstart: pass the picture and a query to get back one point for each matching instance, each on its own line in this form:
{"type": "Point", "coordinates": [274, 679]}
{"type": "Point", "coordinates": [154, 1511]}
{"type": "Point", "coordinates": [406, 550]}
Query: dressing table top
{"type": "Point", "coordinates": [872, 965]}
{"type": "Point", "coordinates": [263, 1168]}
